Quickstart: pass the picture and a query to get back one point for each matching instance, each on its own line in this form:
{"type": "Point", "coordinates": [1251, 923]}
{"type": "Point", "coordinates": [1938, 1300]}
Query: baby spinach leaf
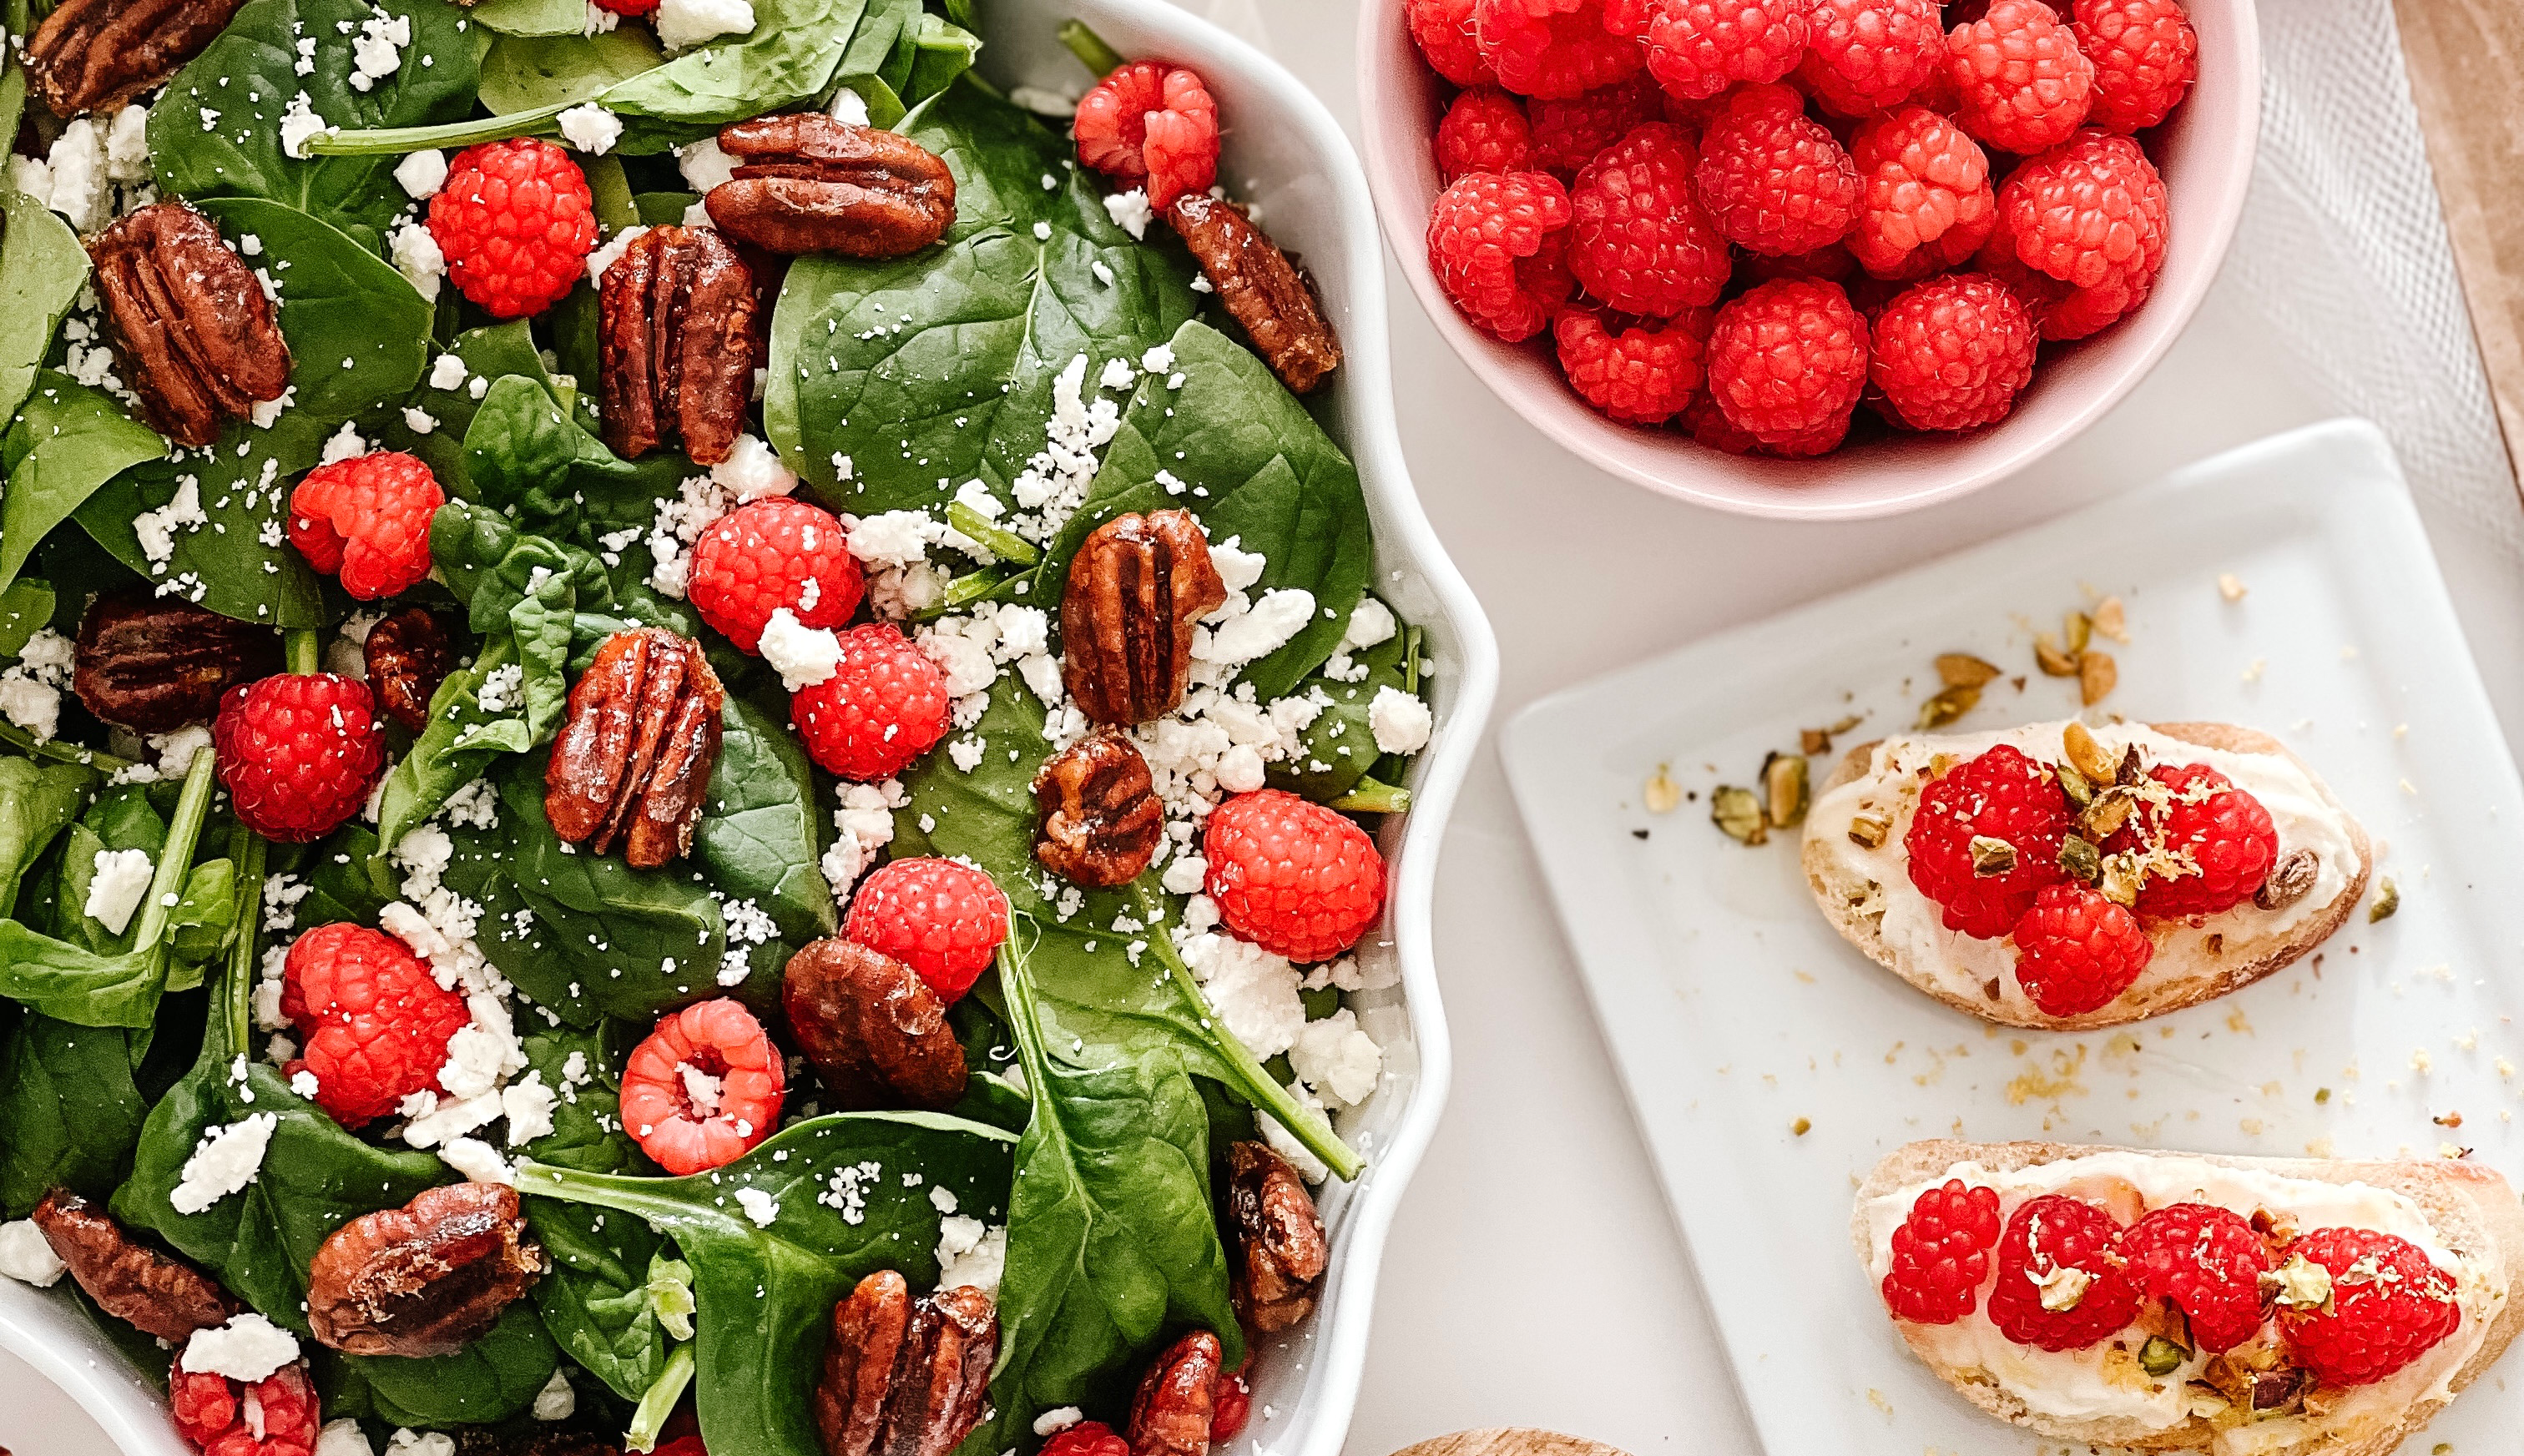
{"type": "Point", "coordinates": [524, 455]}
{"type": "Point", "coordinates": [523, 74]}
{"type": "Point", "coordinates": [73, 1114]}
{"type": "Point", "coordinates": [756, 836]}
{"type": "Point", "coordinates": [342, 884]}
{"type": "Point", "coordinates": [37, 801]}
{"type": "Point", "coordinates": [529, 587]}
{"type": "Point", "coordinates": [460, 742]}
{"type": "Point", "coordinates": [1339, 747]}
{"type": "Point", "coordinates": [68, 440]}
{"type": "Point", "coordinates": [531, 17]}
{"type": "Point", "coordinates": [42, 268]}
{"type": "Point", "coordinates": [25, 609]}
{"type": "Point", "coordinates": [121, 818]}
{"type": "Point", "coordinates": [489, 352]}
{"type": "Point", "coordinates": [235, 562]}
{"type": "Point", "coordinates": [357, 330]}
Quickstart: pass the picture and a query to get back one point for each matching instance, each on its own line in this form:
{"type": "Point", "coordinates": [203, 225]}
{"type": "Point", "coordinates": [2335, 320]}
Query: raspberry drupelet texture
{"type": "Point", "coordinates": [1787, 362]}
{"type": "Point", "coordinates": [2206, 845]}
{"type": "Point", "coordinates": [2081, 233]}
{"type": "Point", "coordinates": [1698, 48]}
{"type": "Point", "coordinates": [366, 520]}
{"type": "Point", "coordinates": [1443, 31]}
{"type": "Point", "coordinates": [1086, 1439]}
{"type": "Point", "coordinates": [2062, 1283]}
{"type": "Point", "coordinates": [1862, 56]}
{"type": "Point", "coordinates": [1952, 353]}
{"type": "Point", "coordinates": [703, 1087]}
{"type": "Point", "coordinates": [372, 1020]}
{"type": "Point", "coordinates": [1484, 131]}
{"type": "Point", "coordinates": [298, 752]}
{"type": "Point", "coordinates": [2076, 951]}
{"type": "Point", "coordinates": [885, 704]}
{"type": "Point", "coordinates": [517, 222]}
{"type": "Point", "coordinates": [770, 554]}
{"type": "Point", "coordinates": [279, 1415]}
{"type": "Point", "coordinates": [1291, 876]}
{"type": "Point", "coordinates": [1771, 179]}
{"type": "Point", "coordinates": [1570, 133]}
{"type": "Point", "coordinates": [2021, 83]}
{"type": "Point", "coordinates": [1497, 243]}
{"type": "Point", "coordinates": [2002, 798]}
{"type": "Point", "coordinates": [942, 917]}
{"type": "Point", "coordinates": [1925, 201]}
{"type": "Point", "coordinates": [2208, 1262]}
{"type": "Point", "coordinates": [627, 7]}
{"type": "Point", "coordinates": [2145, 55]}
{"type": "Point", "coordinates": [1150, 124]}
{"type": "Point", "coordinates": [1941, 1253]}
{"type": "Point", "coordinates": [1644, 374]}
{"type": "Point", "coordinates": [2388, 1304]}
{"type": "Point", "coordinates": [1640, 240]}
{"type": "Point", "coordinates": [1555, 48]}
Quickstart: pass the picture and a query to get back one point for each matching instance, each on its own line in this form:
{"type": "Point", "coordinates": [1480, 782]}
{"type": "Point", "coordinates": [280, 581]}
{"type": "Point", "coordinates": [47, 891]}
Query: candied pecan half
{"type": "Point", "coordinates": [807, 183]}
{"type": "Point", "coordinates": [1261, 289]}
{"type": "Point", "coordinates": [1275, 1242]}
{"type": "Point", "coordinates": [424, 1279]}
{"type": "Point", "coordinates": [408, 654]}
{"type": "Point", "coordinates": [876, 1032]}
{"type": "Point", "coordinates": [905, 1377]}
{"type": "Point", "coordinates": [1101, 817]}
{"type": "Point", "coordinates": [156, 664]}
{"type": "Point", "coordinates": [155, 1293]}
{"type": "Point", "coordinates": [192, 331]}
{"type": "Point", "coordinates": [1135, 589]}
{"type": "Point", "coordinates": [94, 55]}
{"type": "Point", "coordinates": [1170, 1415]}
{"type": "Point", "coordinates": [635, 751]}
{"type": "Point", "coordinates": [675, 344]}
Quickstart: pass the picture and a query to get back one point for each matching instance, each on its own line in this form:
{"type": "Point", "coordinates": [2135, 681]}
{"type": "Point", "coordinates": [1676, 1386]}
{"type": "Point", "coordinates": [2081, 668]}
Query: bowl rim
{"type": "Point", "coordinates": [1383, 39]}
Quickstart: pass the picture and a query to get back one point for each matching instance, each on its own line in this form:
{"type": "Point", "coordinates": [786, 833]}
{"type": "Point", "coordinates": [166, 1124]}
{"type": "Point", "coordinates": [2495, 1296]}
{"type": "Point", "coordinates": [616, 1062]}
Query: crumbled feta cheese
{"type": "Point", "coordinates": [1158, 360]}
{"type": "Point", "coordinates": [226, 1159]}
{"type": "Point", "coordinates": [247, 1348]}
{"type": "Point", "coordinates": [417, 258]}
{"type": "Point", "coordinates": [418, 420]}
{"type": "Point", "coordinates": [26, 1256]}
{"type": "Point", "coordinates": [477, 1161]}
{"type": "Point", "coordinates": [864, 825]}
{"type": "Point", "coordinates": [121, 883]}
{"type": "Point", "coordinates": [1117, 374]}
{"type": "Point", "coordinates": [614, 247]}
{"type": "Point", "coordinates": [406, 1442]}
{"type": "Point", "coordinates": [1254, 992]}
{"type": "Point", "coordinates": [1186, 874]}
{"type": "Point", "coordinates": [752, 470]}
{"type": "Point", "coordinates": [1057, 1419]}
{"type": "Point", "coordinates": [344, 444]}
{"type": "Point", "coordinates": [344, 1438]}
{"type": "Point", "coordinates": [126, 145]}
{"type": "Point", "coordinates": [31, 705]}
{"type": "Point", "coordinates": [1284, 1143]}
{"type": "Point", "coordinates": [1370, 622]}
{"type": "Point", "coordinates": [82, 190]}
{"type": "Point", "coordinates": [1238, 568]}
{"type": "Point", "coordinates": [1131, 210]}
{"type": "Point", "coordinates": [503, 689]}
{"type": "Point", "coordinates": [1399, 721]}
{"type": "Point", "coordinates": [557, 1401]}
{"type": "Point", "coordinates": [971, 1254]}
{"type": "Point", "coordinates": [421, 174]}
{"type": "Point", "coordinates": [1335, 1058]}
{"type": "Point", "coordinates": [590, 128]}
{"type": "Point", "coordinates": [705, 165]}
{"type": "Point", "coordinates": [299, 124]}
{"type": "Point", "coordinates": [849, 108]}
{"type": "Point", "coordinates": [447, 372]}
{"type": "Point", "coordinates": [685, 23]}
{"type": "Point", "coordinates": [529, 1106]}
{"type": "Point", "coordinates": [376, 52]}
{"type": "Point", "coordinates": [758, 1206]}
{"type": "Point", "coordinates": [803, 656]}
{"type": "Point", "coordinates": [157, 528]}
{"type": "Point", "coordinates": [1258, 631]}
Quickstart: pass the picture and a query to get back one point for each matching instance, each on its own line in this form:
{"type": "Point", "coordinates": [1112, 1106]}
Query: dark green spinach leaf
{"type": "Point", "coordinates": [73, 1111]}
{"type": "Point", "coordinates": [37, 801]}
{"type": "Point", "coordinates": [42, 268]}
{"type": "Point", "coordinates": [68, 441]}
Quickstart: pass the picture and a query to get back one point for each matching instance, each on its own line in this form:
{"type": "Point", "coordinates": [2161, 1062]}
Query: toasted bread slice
{"type": "Point", "coordinates": [2470, 1209]}
{"type": "Point", "coordinates": [2194, 963]}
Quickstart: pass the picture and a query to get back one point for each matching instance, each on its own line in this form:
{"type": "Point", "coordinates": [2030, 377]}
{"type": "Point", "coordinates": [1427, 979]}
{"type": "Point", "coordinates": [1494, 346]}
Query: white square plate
{"type": "Point", "coordinates": [1738, 1016]}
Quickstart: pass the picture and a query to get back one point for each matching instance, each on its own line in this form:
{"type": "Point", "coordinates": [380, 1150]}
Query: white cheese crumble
{"type": "Point", "coordinates": [126, 145]}
{"type": "Point", "coordinates": [1335, 1058]}
{"type": "Point", "coordinates": [26, 1256]}
{"type": "Point", "coordinates": [614, 247]}
{"type": "Point", "coordinates": [157, 528]}
{"type": "Point", "coordinates": [1057, 1419]}
{"type": "Point", "coordinates": [1284, 1143]}
{"type": "Point", "coordinates": [1399, 721]}
{"type": "Point", "coordinates": [247, 1348]}
{"type": "Point", "coordinates": [557, 1401]}
{"type": "Point", "coordinates": [120, 882]}
{"type": "Point", "coordinates": [417, 258]}
{"type": "Point", "coordinates": [376, 52]}
{"type": "Point", "coordinates": [758, 1206]}
{"type": "Point", "coordinates": [1263, 628]}
{"type": "Point", "coordinates": [477, 1161]}
{"type": "Point", "coordinates": [343, 1437]}
{"type": "Point", "coordinates": [447, 372]}
{"type": "Point", "coordinates": [406, 1442]}
{"type": "Point", "coordinates": [226, 1159]}
{"type": "Point", "coordinates": [849, 108]}
{"type": "Point", "coordinates": [590, 128]}
{"type": "Point", "coordinates": [421, 174]}
{"type": "Point", "coordinates": [1254, 992]}
{"type": "Point", "coordinates": [803, 656]}
{"type": "Point", "coordinates": [864, 825]}
{"type": "Point", "coordinates": [705, 165]}
{"type": "Point", "coordinates": [1370, 622]}
{"type": "Point", "coordinates": [1130, 211]}
{"type": "Point", "coordinates": [300, 123]}
{"type": "Point", "coordinates": [971, 1254]}
{"type": "Point", "coordinates": [752, 470]}
{"type": "Point", "coordinates": [685, 23]}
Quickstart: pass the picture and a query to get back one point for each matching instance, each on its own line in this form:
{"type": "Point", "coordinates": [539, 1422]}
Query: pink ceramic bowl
{"type": "Point", "coordinates": [2204, 152]}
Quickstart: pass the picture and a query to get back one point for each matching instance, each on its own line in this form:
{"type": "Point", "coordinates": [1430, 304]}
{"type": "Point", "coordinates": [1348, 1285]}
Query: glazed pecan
{"type": "Point", "coordinates": [634, 754]}
{"type": "Point", "coordinates": [153, 1292]}
{"type": "Point", "coordinates": [427, 1278]}
{"type": "Point", "coordinates": [1170, 1415]}
{"type": "Point", "coordinates": [1136, 588]}
{"type": "Point", "coordinates": [156, 664]}
{"type": "Point", "coordinates": [1275, 1242]}
{"type": "Point", "coordinates": [807, 183]}
{"type": "Point", "coordinates": [905, 1377]}
{"type": "Point", "coordinates": [676, 343]}
{"type": "Point", "coordinates": [1101, 817]}
{"type": "Point", "coordinates": [408, 654]}
{"type": "Point", "coordinates": [1261, 289]}
{"type": "Point", "coordinates": [94, 55]}
{"type": "Point", "coordinates": [193, 334]}
{"type": "Point", "coordinates": [876, 1032]}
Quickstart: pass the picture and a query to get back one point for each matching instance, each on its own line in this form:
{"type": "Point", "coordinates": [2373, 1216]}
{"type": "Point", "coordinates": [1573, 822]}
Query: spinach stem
{"type": "Point", "coordinates": [54, 751]}
{"type": "Point", "coordinates": [1371, 796]}
{"type": "Point", "coordinates": [383, 140]}
{"type": "Point", "coordinates": [305, 649]}
{"type": "Point", "coordinates": [236, 993]}
{"type": "Point", "coordinates": [658, 1402]}
{"type": "Point", "coordinates": [175, 855]}
{"type": "Point", "coordinates": [1089, 49]}
{"type": "Point", "coordinates": [999, 542]}
{"type": "Point", "coordinates": [973, 586]}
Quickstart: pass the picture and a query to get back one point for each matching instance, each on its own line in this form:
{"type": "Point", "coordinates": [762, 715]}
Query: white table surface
{"type": "Point", "coordinates": [1534, 1276]}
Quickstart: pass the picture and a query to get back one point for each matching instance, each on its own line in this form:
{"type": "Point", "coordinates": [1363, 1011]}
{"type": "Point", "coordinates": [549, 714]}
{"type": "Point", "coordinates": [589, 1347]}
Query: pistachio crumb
{"type": "Point", "coordinates": [1662, 794]}
{"type": "Point", "coordinates": [2230, 587]}
{"type": "Point", "coordinates": [1801, 1126]}
{"type": "Point", "coordinates": [2388, 899]}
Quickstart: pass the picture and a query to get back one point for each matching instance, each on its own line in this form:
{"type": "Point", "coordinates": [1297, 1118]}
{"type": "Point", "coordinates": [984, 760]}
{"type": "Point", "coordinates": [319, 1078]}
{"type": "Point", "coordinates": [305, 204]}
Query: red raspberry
{"type": "Point", "coordinates": [2021, 82]}
{"type": "Point", "coordinates": [516, 223]}
{"type": "Point", "coordinates": [627, 7]}
{"type": "Point", "coordinates": [1150, 122]}
{"type": "Point", "coordinates": [1555, 48]}
{"type": "Point", "coordinates": [2000, 795]}
{"type": "Point", "coordinates": [1497, 244]}
{"type": "Point", "coordinates": [1941, 1254]}
{"type": "Point", "coordinates": [1862, 56]}
{"type": "Point", "coordinates": [2208, 1262]}
{"type": "Point", "coordinates": [1925, 201]}
{"type": "Point", "coordinates": [2077, 950]}
{"type": "Point", "coordinates": [2048, 1235]}
{"type": "Point", "coordinates": [1570, 133]}
{"type": "Point", "coordinates": [1786, 363]}
{"type": "Point", "coordinates": [2146, 56]}
{"type": "Point", "coordinates": [298, 752]}
{"type": "Point", "coordinates": [1231, 1407]}
{"type": "Point", "coordinates": [1291, 876]}
{"type": "Point", "coordinates": [885, 704]}
{"type": "Point", "coordinates": [2087, 212]}
{"type": "Point", "coordinates": [213, 1414]}
{"type": "Point", "coordinates": [1831, 262]}
{"type": "Point", "coordinates": [1642, 376]}
{"type": "Point", "coordinates": [1485, 130]}
{"type": "Point", "coordinates": [2389, 1304]}
{"type": "Point", "coordinates": [1094, 1438]}
{"type": "Point", "coordinates": [374, 1019]}
{"type": "Point", "coordinates": [2215, 839]}
{"type": "Point", "coordinates": [1772, 180]}
{"type": "Point", "coordinates": [366, 520]}
{"type": "Point", "coordinates": [768, 554]}
{"type": "Point", "coordinates": [1640, 239]}
{"type": "Point", "coordinates": [703, 1087]}
{"type": "Point", "coordinates": [1698, 48]}
{"type": "Point", "coordinates": [1953, 352]}
{"type": "Point", "coordinates": [2061, 310]}
{"type": "Point", "coordinates": [1707, 425]}
{"type": "Point", "coordinates": [942, 917]}
{"type": "Point", "coordinates": [1443, 31]}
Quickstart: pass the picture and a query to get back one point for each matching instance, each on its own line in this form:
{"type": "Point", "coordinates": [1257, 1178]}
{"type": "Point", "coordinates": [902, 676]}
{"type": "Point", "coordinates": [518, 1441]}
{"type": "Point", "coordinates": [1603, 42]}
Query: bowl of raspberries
{"type": "Point", "coordinates": [1816, 259]}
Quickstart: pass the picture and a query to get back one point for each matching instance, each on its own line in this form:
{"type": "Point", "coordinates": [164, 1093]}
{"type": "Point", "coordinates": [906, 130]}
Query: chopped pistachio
{"type": "Point", "coordinates": [1783, 788]}
{"type": "Point", "coordinates": [2047, 657]}
{"type": "Point", "coordinates": [2161, 1356]}
{"type": "Point", "coordinates": [1951, 704]}
{"type": "Point", "coordinates": [2104, 816]}
{"type": "Point", "coordinates": [1869, 831]}
{"type": "Point", "coordinates": [2230, 587]}
{"type": "Point", "coordinates": [2299, 1284]}
{"type": "Point", "coordinates": [2388, 899]}
{"type": "Point", "coordinates": [1738, 811]}
{"type": "Point", "coordinates": [2077, 629]}
{"type": "Point", "coordinates": [2085, 754]}
{"type": "Point", "coordinates": [1814, 740]}
{"type": "Point", "coordinates": [1938, 763]}
{"type": "Point", "coordinates": [1846, 723]}
{"type": "Point", "coordinates": [2073, 784]}
{"type": "Point", "coordinates": [2112, 619]}
{"type": "Point", "coordinates": [2121, 881]}
{"type": "Point", "coordinates": [1991, 855]}
{"type": "Point", "coordinates": [1662, 793]}
{"type": "Point", "coordinates": [2097, 675]}
{"type": "Point", "coordinates": [2322, 1095]}
{"type": "Point", "coordinates": [2079, 860]}
{"type": "Point", "coordinates": [1963, 670]}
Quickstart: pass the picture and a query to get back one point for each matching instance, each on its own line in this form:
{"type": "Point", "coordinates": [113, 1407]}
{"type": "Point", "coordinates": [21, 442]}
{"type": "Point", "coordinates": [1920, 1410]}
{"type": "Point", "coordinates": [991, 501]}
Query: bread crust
{"type": "Point", "coordinates": [2205, 983]}
{"type": "Point", "coordinates": [2471, 1207]}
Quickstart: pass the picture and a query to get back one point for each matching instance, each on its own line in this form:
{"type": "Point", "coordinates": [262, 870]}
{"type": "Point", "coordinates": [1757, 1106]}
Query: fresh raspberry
{"type": "Point", "coordinates": [1698, 48]}
{"type": "Point", "coordinates": [2047, 1237]}
{"type": "Point", "coordinates": [1485, 130]}
{"type": "Point", "coordinates": [1787, 361]}
{"type": "Point", "coordinates": [1707, 425]}
{"type": "Point", "coordinates": [1952, 353]}
{"type": "Point", "coordinates": [2020, 79]}
{"type": "Point", "coordinates": [1924, 202]}
{"type": "Point", "coordinates": [1772, 180]}
{"type": "Point", "coordinates": [1443, 31]}
{"type": "Point", "coordinates": [1232, 1406]}
{"type": "Point", "coordinates": [298, 752]}
{"type": "Point", "coordinates": [2000, 795]}
{"type": "Point", "coordinates": [2388, 1304]}
{"type": "Point", "coordinates": [2146, 56]}
{"type": "Point", "coordinates": [1094, 1438]}
{"type": "Point", "coordinates": [516, 222]}
{"type": "Point", "coordinates": [366, 520]}
{"type": "Point", "coordinates": [2207, 846]}
{"type": "Point", "coordinates": [279, 1415]}
{"type": "Point", "coordinates": [1941, 1254]}
{"type": "Point", "coordinates": [1497, 243]}
{"type": "Point", "coordinates": [768, 554]}
{"type": "Point", "coordinates": [2208, 1262]}
{"type": "Point", "coordinates": [1152, 124]}
{"type": "Point", "coordinates": [374, 1019]}
{"type": "Point", "coordinates": [1552, 48]}
{"type": "Point", "coordinates": [1570, 133]}
{"type": "Point", "coordinates": [1640, 239]}
{"type": "Point", "coordinates": [942, 917]}
{"type": "Point", "coordinates": [885, 704]}
{"type": "Point", "coordinates": [1862, 56]}
{"type": "Point", "coordinates": [1291, 876]}
{"type": "Point", "coordinates": [703, 1087]}
{"type": "Point", "coordinates": [2087, 212]}
{"type": "Point", "coordinates": [2061, 310]}
{"type": "Point", "coordinates": [2075, 951]}
{"type": "Point", "coordinates": [1831, 264]}
{"type": "Point", "coordinates": [1641, 375]}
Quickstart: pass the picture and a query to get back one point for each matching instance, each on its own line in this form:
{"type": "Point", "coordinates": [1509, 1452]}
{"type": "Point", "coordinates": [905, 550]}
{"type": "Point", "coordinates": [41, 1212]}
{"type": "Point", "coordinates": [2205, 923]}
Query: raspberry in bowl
{"type": "Point", "coordinates": [1995, 218]}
